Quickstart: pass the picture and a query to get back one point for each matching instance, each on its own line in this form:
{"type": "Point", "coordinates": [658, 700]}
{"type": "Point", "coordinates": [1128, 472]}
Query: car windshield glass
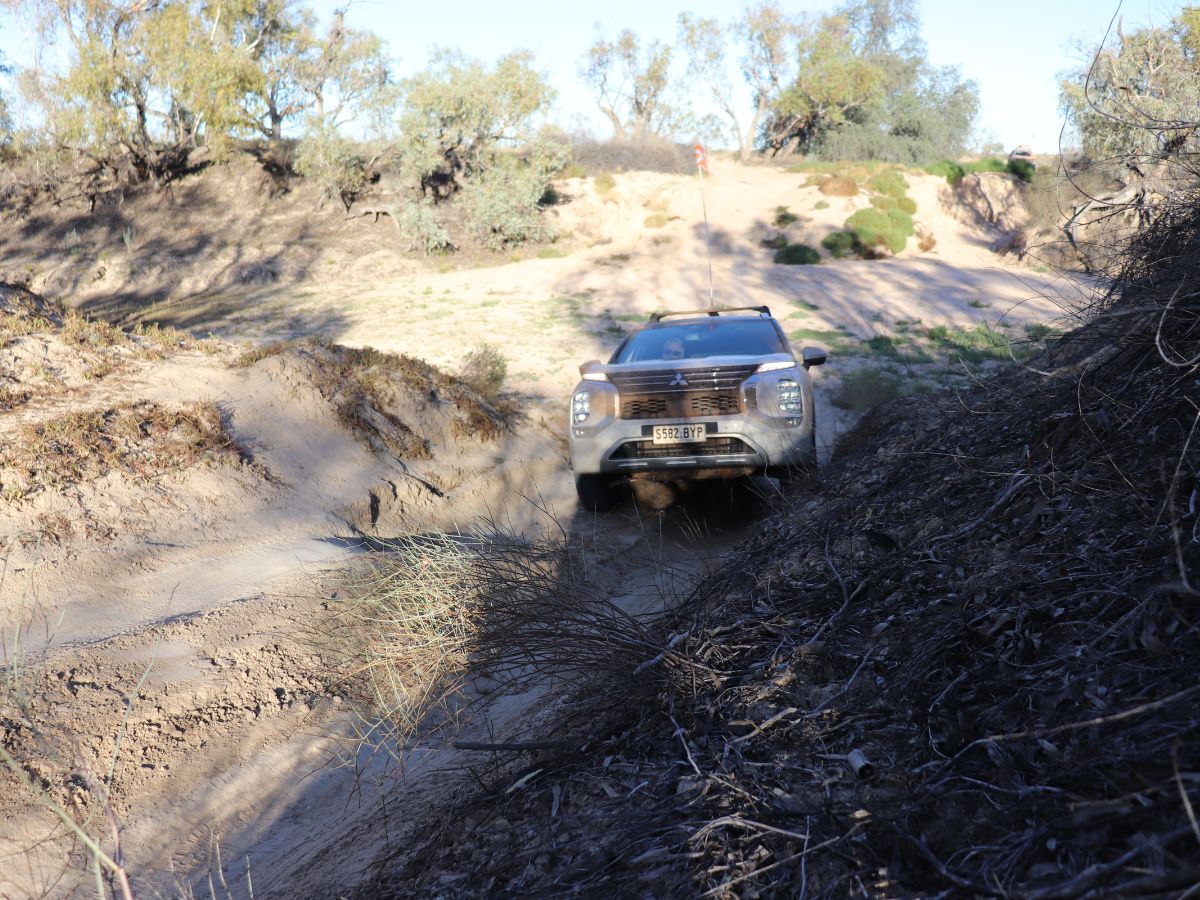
{"type": "Point", "coordinates": [720, 337]}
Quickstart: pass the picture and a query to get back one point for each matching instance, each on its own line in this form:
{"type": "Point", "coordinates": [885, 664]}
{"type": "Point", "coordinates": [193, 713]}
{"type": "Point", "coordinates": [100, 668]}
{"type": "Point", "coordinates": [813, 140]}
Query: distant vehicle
{"type": "Point", "coordinates": [712, 393]}
{"type": "Point", "coordinates": [1021, 151]}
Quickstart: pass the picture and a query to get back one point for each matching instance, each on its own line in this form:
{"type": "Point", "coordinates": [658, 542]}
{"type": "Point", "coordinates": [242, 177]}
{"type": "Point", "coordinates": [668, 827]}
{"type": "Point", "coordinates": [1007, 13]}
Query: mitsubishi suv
{"type": "Point", "coordinates": [712, 393]}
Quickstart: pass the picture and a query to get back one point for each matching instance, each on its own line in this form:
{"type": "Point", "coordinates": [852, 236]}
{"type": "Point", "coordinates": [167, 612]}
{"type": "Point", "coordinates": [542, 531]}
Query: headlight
{"type": "Point", "coordinates": [789, 396]}
{"type": "Point", "coordinates": [581, 406]}
{"type": "Point", "coordinates": [776, 366]}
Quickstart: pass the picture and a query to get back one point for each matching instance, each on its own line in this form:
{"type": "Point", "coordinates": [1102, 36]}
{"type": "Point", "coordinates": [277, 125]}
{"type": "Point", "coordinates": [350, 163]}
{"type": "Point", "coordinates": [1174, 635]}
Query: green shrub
{"type": "Point", "coordinates": [797, 255]}
{"type": "Point", "coordinates": [778, 242]}
{"type": "Point", "coordinates": [839, 186]}
{"type": "Point", "coordinates": [1022, 168]}
{"type": "Point", "coordinates": [604, 182]}
{"type": "Point", "coordinates": [890, 183]}
{"type": "Point", "coordinates": [656, 220]}
{"type": "Point", "coordinates": [553, 253]}
{"type": "Point", "coordinates": [502, 205]}
{"type": "Point", "coordinates": [864, 388]}
{"type": "Point", "coordinates": [841, 244]}
{"type": "Point", "coordinates": [883, 201]}
{"type": "Point", "coordinates": [419, 224]}
{"type": "Point", "coordinates": [333, 162]}
{"type": "Point", "coordinates": [550, 196]}
{"type": "Point", "coordinates": [485, 369]}
{"type": "Point", "coordinates": [889, 228]}
{"type": "Point", "coordinates": [951, 171]}
{"type": "Point", "coordinates": [784, 217]}
{"type": "Point", "coordinates": [821, 204]}
{"type": "Point", "coordinates": [906, 205]}
{"type": "Point", "coordinates": [574, 170]}
{"type": "Point", "coordinates": [990, 164]}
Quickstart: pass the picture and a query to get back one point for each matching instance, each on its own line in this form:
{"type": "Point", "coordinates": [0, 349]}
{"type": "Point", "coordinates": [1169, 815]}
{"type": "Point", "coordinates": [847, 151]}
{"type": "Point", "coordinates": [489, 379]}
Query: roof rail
{"type": "Point", "coordinates": [710, 311]}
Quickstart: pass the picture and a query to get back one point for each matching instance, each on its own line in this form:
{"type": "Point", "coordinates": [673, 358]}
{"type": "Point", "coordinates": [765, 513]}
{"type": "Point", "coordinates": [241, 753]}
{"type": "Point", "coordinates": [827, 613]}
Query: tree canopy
{"type": "Point", "coordinates": [864, 89]}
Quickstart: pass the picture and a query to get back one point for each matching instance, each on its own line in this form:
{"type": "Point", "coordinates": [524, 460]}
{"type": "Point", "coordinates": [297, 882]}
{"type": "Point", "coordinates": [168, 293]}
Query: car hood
{"type": "Point", "coordinates": [691, 365]}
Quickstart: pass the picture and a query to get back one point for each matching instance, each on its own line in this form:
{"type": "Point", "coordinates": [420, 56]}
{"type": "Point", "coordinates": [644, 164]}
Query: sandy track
{"type": "Point", "coordinates": [210, 576]}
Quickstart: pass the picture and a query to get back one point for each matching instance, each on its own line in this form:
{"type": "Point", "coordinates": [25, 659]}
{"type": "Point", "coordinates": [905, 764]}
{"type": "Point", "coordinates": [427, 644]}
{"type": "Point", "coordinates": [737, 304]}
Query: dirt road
{"type": "Point", "coordinates": [167, 616]}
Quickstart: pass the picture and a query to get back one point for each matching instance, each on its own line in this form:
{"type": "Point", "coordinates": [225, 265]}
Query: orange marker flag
{"type": "Point", "coordinates": [701, 158]}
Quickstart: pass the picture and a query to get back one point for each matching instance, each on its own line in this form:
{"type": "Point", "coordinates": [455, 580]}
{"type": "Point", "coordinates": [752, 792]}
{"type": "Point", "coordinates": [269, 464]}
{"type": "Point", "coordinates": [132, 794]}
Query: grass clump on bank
{"type": "Point", "coordinates": [133, 439]}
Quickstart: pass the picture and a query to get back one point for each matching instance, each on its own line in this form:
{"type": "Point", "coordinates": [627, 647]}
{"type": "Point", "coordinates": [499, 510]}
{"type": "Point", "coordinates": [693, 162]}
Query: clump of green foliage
{"type": "Point", "coordinates": [502, 205]}
{"type": "Point", "coordinates": [784, 217]}
{"type": "Point", "coordinates": [797, 255]}
{"type": "Point", "coordinates": [885, 202]}
{"type": "Point", "coordinates": [1021, 168]}
{"type": "Point", "coordinates": [604, 183]}
{"type": "Point", "coordinates": [334, 162]}
{"type": "Point", "coordinates": [951, 171]}
{"type": "Point", "coordinates": [419, 223]}
{"type": "Point", "coordinates": [889, 183]}
{"type": "Point", "coordinates": [841, 244]}
{"type": "Point", "coordinates": [890, 228]}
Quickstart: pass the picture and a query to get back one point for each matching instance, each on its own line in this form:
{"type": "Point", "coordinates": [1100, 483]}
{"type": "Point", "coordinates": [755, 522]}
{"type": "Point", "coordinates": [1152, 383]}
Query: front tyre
{"type": "Point", "coordinates": [597, 493]}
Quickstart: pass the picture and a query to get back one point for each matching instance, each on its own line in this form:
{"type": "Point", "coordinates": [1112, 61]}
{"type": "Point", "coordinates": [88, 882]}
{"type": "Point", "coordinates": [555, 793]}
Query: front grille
{"type": "Point", "coordinates": [679, 406]}
{"type": "Point", "coordinates": [681, 393]}
{"type": "Point", "coordinates": [723, 446]}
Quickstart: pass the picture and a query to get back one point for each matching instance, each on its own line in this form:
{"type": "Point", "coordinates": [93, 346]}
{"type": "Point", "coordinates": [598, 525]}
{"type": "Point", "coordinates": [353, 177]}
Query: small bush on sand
{"type": "Point", "coordinates": [841, 244]}
{"type": "Point", "coordinates": [839, 186]}
{"type": "Point", "coordinates": [419, 223]}
{"type": "Point", "coordinates": [784, 217]}
{"type": "Point", "coordinates": [881, 228]}
{"type": "Point", "coordinates": [775, 242]}
{"type": "Point", "coordinates": [1022, 168]}
{"type": "Point", "coordinates": [485, 369]}
{"type": "Point", "coordinates": [821, 204]}
{"type": "Point", "coordinates": [604, 182]}
{"type": "Point", "coordinates": [867, 387]}
{"type": "Point", "coordinates": [656, 220]}
{"type": "Point", "coordinates": [885, 202]}
{"type": "Point", "coordinates": [951, 171]}
{"type": "Point", "coordinates": [988, 164]}
{"type": "Point", "coordinates": [797, 255]}
{"type": "Point", "coordinates": [890, 183]}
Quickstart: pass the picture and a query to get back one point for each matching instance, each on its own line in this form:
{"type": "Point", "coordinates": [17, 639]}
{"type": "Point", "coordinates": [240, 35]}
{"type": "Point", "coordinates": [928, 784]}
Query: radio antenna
{"type": "Point", "coordinates": [701, 171]}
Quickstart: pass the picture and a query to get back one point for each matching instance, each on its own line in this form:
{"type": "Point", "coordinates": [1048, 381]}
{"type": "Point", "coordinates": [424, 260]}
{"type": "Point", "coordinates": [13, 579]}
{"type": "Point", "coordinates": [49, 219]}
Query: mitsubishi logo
{"type": "Point", "coordinates": [679, 380]}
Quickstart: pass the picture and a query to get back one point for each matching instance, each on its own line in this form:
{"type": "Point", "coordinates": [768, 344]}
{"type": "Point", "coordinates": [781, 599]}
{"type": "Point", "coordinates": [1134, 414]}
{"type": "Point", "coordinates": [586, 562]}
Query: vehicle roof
{"type": "Point", "coordinates": [702, 319]}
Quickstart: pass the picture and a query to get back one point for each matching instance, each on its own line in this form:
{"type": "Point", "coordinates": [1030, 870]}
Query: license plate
{"type": "Point", "coordinates": [680, 434]}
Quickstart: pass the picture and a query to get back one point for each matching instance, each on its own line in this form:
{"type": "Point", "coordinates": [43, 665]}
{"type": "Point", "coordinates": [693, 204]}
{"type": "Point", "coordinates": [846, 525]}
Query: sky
{"type": "Point", "coordinates": [1016, 52]}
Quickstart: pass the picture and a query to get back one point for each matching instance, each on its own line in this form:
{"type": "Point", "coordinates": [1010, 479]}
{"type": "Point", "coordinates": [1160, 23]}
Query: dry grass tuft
{"type": "Point", "coordinates": [966, 668]}
{"type": "Point", "coordinates": [839, 186]}
{"type": "Point", "coordinates": [422, 621]}
{"type": "Point", "coordinates": [143, 439]}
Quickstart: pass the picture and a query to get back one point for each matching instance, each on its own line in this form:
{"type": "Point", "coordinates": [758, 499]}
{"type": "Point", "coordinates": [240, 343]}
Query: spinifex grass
{"type": "Point", "coordinates": [419, 623]}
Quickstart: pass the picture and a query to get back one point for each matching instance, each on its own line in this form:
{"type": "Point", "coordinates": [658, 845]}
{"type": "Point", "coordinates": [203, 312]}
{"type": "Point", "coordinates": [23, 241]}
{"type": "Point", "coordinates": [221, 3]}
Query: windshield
{"type": "Point", "coordinates": [720, 337]}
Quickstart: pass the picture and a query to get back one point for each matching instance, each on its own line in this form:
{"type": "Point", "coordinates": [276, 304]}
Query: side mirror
{"type": "Point", "coordinates": [583, 368]}
{"type": "Point", "coordinates": [813, 357]}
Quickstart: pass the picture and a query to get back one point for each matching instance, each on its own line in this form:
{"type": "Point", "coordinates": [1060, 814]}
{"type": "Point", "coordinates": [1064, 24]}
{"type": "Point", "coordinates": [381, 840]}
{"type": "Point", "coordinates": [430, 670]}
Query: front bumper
{"type": "Point", "coordinates": [738, 442]}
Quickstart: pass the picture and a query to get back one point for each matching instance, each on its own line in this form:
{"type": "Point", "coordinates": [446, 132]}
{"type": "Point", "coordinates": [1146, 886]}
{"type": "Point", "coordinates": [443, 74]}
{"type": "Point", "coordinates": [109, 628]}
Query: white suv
{"type": "Point", "coordinates": [712, 393]}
